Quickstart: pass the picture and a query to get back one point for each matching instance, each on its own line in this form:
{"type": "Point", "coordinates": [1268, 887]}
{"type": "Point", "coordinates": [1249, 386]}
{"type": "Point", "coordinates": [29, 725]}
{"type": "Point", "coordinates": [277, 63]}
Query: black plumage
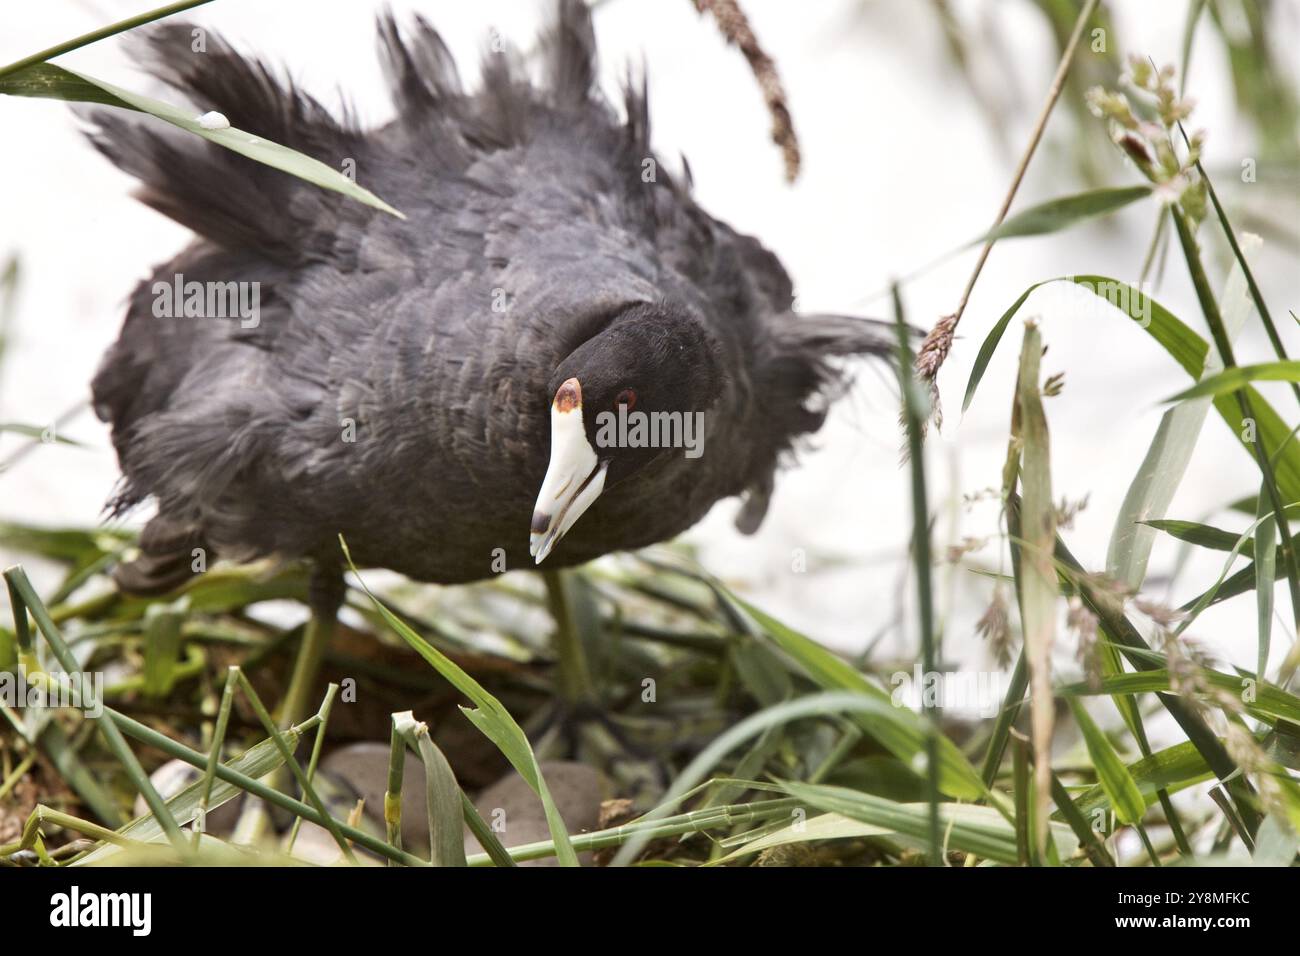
{"type": "Point", "coordinates": [532, 240]}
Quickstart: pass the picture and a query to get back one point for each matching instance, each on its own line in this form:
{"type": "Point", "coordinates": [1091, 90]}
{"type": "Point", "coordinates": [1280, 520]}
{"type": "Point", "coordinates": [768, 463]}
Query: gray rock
{"type": "Point", "coordinates": [315, 845]}
{"type": "Point", "coordinates": [173, 777]}
{"type": "Point", "coordinates": [515, 813]}
{"type": "Point", "coordinates": [360, 771]}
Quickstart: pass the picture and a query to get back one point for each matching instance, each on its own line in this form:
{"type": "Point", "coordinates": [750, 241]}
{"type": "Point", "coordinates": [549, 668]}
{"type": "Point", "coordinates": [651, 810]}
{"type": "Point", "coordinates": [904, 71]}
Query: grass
{"type": "Point", "coordinates": [753, 744]}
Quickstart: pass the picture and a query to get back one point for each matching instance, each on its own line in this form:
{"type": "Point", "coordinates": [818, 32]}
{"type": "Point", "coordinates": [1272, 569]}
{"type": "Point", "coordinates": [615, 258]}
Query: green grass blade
{"type": "Point", "coordinates": [73, 771]}
{"type": "Point", "coordinates": [1007, 715]}
{"type": "Point", "coordinates": [1239, 583]}
{"type": "Point", "coordinates": [1204, 535]}
{"type": "Point", "coordinates": [1231, 380]}
{"type": "Point", "coordinates": [256, 787]}
{"type": "Point", "coordinates": [1166, 461]}
{"type": "Point", "coordinates": [1206, 599]}
{"type": "Point", "coordinates": [1022, 787]}
{"type": "Point", "coordinates": [442, 794]}
{"type": "Point", "coordinates": [824, 704]}
{"type": "Point", "coordinates": [1109, 612]}
{"type": "Point", "coordinates": [162, 643]}
{"type": "Point", "coordinates": [824, 826]}
{"type": "Point", "coordinates": [1152, 490]}
{"type": "Point", "coordinates": [1269, 704]}
{"type": "Point", "coordinates": [489, 716]}
{"type": "Point", "coordinates": [1088, 836]}
{"type": "Point", "coordinates": [1245, 402]}
{"type": "Point", "coordinates": [24, 599]}
{"type": "Point", "coordinates": [1057, 214]}
{"type": "Point", "coordinates": [1194, 10]}
{"type": "Point", "coordinates": [1121, 789]}
{"type": "Point", "coordinates": [897, 729]}
{"type": "Point", "coordinates": [53, 82]}
{"type": "Point", "coordinates": [36, 431]}
{"type": "Point", "coordinates": [1276, 843]}
{"type": "Point", "coordinates": [978, 830]}
{"type": "Point", "coordinates": [916, 410]}
{"type": "Point", "coordinates": [74, 545]}
{"type": "Point", "coordinates": [1038, 584]}
{"type": "Point", "coordinates": [10, 281]}
{"type": "Point", "coordinates": [1188, 349]}
{"type": "Point", "coordinates": [1239, 253]}
{"type": "Point", "coordinates": [308, 790]}
{"type": "Point", "coordinates": [102, 33]}
{"type": "Point", "coordinates": [1054, 215]}
{"type": "Point", "coordinates": [259, 760]}
{"type": "Point", "coordinates": [694, 821]}
{"type": "Point", "coordinates": [990, 344]}
{"type": "Point", "coordinates": [487, 839]}
{"type": "Point", "coordinates": [1265, 575]}
{"type": "Point", "coordinates": [396, 774]}
{"type": "Point", "coordinates": [1172, 769]}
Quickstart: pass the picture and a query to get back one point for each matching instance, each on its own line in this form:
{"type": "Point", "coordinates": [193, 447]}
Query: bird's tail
{"type": "Point", "coordinates": [802, 375]}
{"type": "Point", "coordinates": [234, 201]}
{"type": "Point", "coordinates": [170, 554]}
{"type": "Point", "coordinates": [799, 378]}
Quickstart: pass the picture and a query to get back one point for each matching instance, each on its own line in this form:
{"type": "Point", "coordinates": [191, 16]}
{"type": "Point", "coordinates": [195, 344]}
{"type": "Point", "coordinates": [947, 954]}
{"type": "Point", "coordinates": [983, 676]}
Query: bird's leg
{"type": "Point", "coordinates": [579, 725]}
{"type": "Point", "coordinates": [324, 597]}
{"type": "Point", "coordinates": [576, 688]}
{"type": "Point", "coordinates": [577, 703]}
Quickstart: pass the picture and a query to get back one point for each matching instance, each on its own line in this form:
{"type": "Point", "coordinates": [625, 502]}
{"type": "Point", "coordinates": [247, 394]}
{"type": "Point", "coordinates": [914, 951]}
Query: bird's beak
{"type": "Point", "coordinates": [574, 478]}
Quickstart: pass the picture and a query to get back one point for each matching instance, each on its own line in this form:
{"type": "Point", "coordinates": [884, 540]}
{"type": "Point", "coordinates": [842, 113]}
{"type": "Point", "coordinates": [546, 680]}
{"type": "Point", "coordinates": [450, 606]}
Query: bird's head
{"type": "Point", "coordinates": [633, 392]}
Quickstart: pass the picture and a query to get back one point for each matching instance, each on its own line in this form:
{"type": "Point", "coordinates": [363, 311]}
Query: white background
{"type": "Point", "coordinates": [899, 167]}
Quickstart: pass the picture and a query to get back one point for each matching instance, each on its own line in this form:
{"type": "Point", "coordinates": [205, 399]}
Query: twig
{"type": "Point", "coordinates": [735, 27]}
{"type": "Point", "coordinates": [935, 348]}
{"type": "Point", "coordinates": [102, 33]}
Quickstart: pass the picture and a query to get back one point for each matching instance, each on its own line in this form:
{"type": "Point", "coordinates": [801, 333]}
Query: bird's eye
{"type": "Point", "coordinates": [626, 398]}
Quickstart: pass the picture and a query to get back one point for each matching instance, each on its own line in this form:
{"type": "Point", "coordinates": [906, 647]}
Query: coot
{"type": "Point", "coordinates": [457, 392]}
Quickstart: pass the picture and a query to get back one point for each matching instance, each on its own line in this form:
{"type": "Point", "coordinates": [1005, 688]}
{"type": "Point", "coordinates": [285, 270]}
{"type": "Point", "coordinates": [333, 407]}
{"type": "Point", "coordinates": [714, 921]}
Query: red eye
{"type": "Point", "coordinates": [627, 398]}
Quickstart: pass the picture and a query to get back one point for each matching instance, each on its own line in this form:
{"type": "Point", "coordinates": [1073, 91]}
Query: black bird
{"type": "Point", "coordinates": [432, 388]}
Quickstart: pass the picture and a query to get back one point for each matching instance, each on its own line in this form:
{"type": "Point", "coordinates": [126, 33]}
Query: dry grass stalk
{"type": "Point", "coordinates": [735, 27]}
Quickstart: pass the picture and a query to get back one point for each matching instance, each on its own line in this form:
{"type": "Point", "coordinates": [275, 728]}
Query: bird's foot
{"type": "Point", "coordinates": [588, 732]}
